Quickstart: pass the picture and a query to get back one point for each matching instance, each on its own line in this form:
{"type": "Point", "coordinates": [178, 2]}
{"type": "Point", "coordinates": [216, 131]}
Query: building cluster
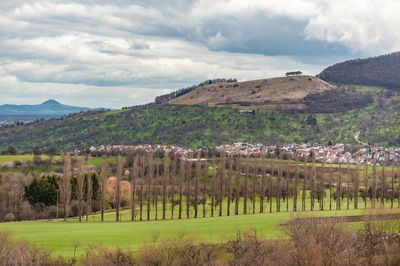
{"type": "Point", "coordinates": [339, 153]}
{"type": "Point", "coordinates": [109, 149]}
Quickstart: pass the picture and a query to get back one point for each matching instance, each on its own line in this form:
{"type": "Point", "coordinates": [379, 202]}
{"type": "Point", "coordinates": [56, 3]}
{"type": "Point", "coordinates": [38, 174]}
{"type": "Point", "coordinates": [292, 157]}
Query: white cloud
{"type": "Point", "coordinates": [369, 26]}
{"type": "Point", "coordinates": [102, 53]}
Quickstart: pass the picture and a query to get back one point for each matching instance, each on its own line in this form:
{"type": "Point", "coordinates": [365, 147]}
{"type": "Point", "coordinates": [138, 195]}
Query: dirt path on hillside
{"type": "Point", "coordinates": [356, 136]}
{"type": "Point", "coordinates": [342, 219]}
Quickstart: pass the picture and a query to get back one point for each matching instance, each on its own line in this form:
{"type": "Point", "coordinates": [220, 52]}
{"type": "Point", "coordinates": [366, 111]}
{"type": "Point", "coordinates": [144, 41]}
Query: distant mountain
{"type": "Point", "coordinates": [381, 71]}
{"type": "Point", "coordinates": [48, 109]}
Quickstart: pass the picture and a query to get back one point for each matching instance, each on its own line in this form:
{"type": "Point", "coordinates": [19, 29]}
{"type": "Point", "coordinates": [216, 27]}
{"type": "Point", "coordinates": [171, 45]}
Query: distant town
{"type": "Point", "coordinates": [339, 153]}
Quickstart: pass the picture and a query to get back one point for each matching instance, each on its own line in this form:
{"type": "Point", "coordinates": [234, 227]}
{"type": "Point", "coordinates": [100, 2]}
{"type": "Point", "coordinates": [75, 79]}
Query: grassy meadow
{"type": "Point", "coordinates": [62, 237]}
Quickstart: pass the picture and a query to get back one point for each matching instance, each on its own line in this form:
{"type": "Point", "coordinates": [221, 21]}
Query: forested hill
{"type": "Point", "coordinates": [195, 126]}
{"type": "Point", "coordinates": [375, 71]}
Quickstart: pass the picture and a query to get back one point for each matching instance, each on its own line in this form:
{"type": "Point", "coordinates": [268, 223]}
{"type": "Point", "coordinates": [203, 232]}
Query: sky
{"type": "Point", "coordinates": [123, 53]}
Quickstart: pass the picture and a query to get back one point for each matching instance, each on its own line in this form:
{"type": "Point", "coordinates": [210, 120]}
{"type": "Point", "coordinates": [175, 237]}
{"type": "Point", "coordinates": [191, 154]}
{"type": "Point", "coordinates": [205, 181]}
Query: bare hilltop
{"type": "Point", "coordinates": [300, 93]}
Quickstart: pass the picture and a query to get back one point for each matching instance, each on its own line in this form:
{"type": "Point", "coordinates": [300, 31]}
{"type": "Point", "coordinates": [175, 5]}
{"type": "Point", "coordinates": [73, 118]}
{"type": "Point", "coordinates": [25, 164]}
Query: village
{"type": "Point", "coordinates": [334, 154]}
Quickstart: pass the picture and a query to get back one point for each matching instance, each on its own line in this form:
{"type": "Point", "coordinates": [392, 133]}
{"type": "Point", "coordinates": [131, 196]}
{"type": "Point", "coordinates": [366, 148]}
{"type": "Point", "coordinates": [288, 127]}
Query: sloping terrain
{"type": "Point", "coordinates": [299, 93]}
{"type": "Point", "coordinates": [197, 126]}
{"type": "Point", "coordinates": [375, 71]}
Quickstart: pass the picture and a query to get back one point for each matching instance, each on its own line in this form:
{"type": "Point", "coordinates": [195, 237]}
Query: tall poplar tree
{"type": "Point", "coordinates": [80, 186]}
{"type": "Point", "coordinates": [118, 186]}
{"type": "Point", "coordinates": [150, 173]}
{"type": "Point", "coordinates": [313, 181]}
{"type": "Point", "coordinates": [188, 181]}
{"type": "Point", "coordinates": [103, 183]}
{"type": "Point", "coordinates": [172, 192]}
{"type": "Point", "coordinates": [133, 178]}
{"type": "Point", "coordinates": [246, 184]}
{"type": "Point", "coordinates": [65, 185]}
{"type": "Point", "coordinates": [229, 185]}
{"type": "Point", "coordinates": [213, 178]}
{"type": "Point", "coordinates": [237, 184]}
{"type": "Point", "coordinates": [373, 184]}
{"type": "Point", "coordinates": [164, 186]}
{"type": "Point", "coordinates": [205, 180]}
{"type": "Point", "coordinates": [89, 184]}
{"type": "Point", "coordinates": [296, 181]}
{"type": "Point", "coordinates": [196, 183]}
{"type": "Point", "coordinates": [279, 180]}
{"type": "Point", "coordinates": [339, 188]}
{"type": "Point", "coordinates": [181, 178]}
{"type": "Point", "coordinates": [221, 180]}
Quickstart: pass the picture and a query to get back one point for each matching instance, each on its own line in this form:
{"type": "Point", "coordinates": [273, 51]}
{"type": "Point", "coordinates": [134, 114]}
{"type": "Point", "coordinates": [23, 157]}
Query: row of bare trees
{"type": "Point", "coordinates": [216, 186]}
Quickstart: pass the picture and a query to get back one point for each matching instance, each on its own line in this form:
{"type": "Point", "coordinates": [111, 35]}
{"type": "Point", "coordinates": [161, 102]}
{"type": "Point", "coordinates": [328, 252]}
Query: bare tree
{"type": "Point", "coordinates": [133, 176]}
{"type": "Point", "coordinates": [398, 187]}
{"type": "Point", "coordinates": [278, 190]}
{"type": "Point", "coordinates": [181, 177]}
{"type": "Point", "coordinates": [196, 184]}
{"type": "Point", "coordinates": [188, 179]}
{"type": "Point", "coordinates": [205, 177]}
{"type": "Point", "coordinates": [254, 185]}
{"type": "Point", "coordinates": [305, 183]}
{"type": "Point", "coordinates": [348, 186]}
{"type": "Point", "coordinates": [141, 184]}
{"type": "Point", "coordinates": [213, 177]}
{"type": "Point", "coordinates": [164, 186]}
{"type": "Point", "coordinates": [330, 188]}
{"type": "Point", "coordinates": [246, 184]}
{"type": "Point", "coordinates": [150, 173]}
{"type": "Point", "coordinates": [237, 184]}
{"type": "Point", "coordinates": [89, 192]}
{"type": "Point", "coordinates": [313, 181]}
{"type": "Point", "coordinates": [392, 188]}
{"type": "Point", "coordinates": [221, 180]}
{"type": "Point", "coordinates": [366, 185]}
{"type": "Point", "coordinates": [80, 184]}
{"type": "Point", "coordinates": [103, 182]}
{"type": "Point", "coordinates": [271, 185]}
{"type": "Point", "coordinates": [338, 188]}
{"type": "Point", "coordinates": [118, 186]}
{"type": "Point", "coordinates": [296, 182]}
{"type": "Point", "coordinates": [229, 185]}
{"type": "Point", "coordinates": [172, 191]}
{"type": "Point", "coordinates": [65, 185]}
{"type": "Point", "coordinates": [356, 187]}
{"type": "Point", "coordinates": [321, 187]}
{"type": "Point", "coordinates": [373, 184]}
{"type": "Point", "coordinates": [287, 166]}
{"type": "Point", "coordinates": [383, 182]}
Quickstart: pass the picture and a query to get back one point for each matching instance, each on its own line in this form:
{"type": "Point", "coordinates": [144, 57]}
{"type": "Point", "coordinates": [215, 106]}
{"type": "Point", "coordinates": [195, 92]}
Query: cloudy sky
{"type": "Point", "coordinates": [121, 53]}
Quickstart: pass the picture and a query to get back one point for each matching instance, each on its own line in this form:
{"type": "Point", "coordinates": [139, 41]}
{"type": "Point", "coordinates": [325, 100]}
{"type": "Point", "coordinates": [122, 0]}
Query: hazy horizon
{"type": "Point", "coordinates": [123, 53]}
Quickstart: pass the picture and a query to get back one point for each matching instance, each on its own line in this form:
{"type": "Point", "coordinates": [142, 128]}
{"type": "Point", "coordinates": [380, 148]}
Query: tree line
{"type": "Point", "coordinates": [211, 185]}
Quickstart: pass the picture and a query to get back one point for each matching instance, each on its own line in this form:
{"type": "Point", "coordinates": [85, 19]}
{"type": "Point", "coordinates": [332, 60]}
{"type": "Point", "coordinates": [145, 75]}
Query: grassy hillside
{"type": "Point", "coordinates": [255, 91]}
{"type": "Point", "coordinates": [300, 93]}
{"type": "Point", "coordinates": [194, 126]}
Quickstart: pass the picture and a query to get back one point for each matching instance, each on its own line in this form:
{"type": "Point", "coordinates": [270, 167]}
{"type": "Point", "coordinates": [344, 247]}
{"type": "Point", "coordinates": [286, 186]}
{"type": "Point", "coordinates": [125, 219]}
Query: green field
{"type": "Point", "coordinates": [58, 236]}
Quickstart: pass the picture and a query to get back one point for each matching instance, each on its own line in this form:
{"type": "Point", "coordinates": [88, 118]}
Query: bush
{"type": "Point", "coordinates": [22, 253]}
